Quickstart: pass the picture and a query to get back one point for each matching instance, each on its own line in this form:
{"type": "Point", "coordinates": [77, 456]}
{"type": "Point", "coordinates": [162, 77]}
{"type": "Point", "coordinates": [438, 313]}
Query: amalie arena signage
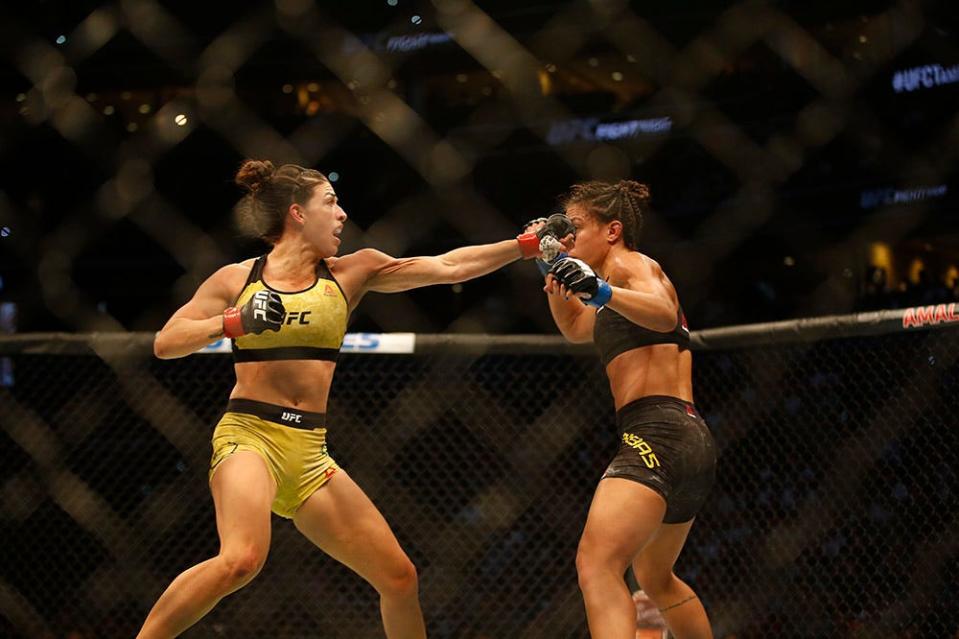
{"type": "Point", "coordinates": [921, 316]}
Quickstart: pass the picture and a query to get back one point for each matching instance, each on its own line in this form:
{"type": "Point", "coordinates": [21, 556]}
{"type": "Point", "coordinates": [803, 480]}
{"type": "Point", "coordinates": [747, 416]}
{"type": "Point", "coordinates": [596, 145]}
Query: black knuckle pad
{"type": "Point", "coordinates": [571, 269]}
{"type": "Point", "coordinates": [560, 225]}
{"type": "Point", "coordinates": [554, 226]}
{"type": "Point", "coordinates": [533, 221]}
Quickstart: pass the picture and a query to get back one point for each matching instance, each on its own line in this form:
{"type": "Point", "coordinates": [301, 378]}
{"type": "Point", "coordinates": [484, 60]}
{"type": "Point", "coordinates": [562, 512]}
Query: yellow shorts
{"type": "Point", "coordinates": [295, 454]}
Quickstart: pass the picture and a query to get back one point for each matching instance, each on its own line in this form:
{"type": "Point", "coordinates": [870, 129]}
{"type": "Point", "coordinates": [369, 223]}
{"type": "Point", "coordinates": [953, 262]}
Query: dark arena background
{"type": "Point", "coordinates": [802, 158]}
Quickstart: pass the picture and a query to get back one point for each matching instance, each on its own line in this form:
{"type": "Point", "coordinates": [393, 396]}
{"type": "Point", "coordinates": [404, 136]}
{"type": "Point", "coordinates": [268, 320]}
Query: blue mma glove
{"type": "Point", "coordinates": [578, 277]}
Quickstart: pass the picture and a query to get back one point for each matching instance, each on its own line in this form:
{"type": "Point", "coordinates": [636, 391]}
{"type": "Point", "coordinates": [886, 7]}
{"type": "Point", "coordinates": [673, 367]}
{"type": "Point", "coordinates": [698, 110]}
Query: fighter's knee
{"type": "Point", "coordinates": [584, 562]}
{"type": "Point", "coordinates": [592, 562]}
{"type": "Point", "coordinates": [401, 580]}
{"type": "Point", "coordinates": [241, 565]}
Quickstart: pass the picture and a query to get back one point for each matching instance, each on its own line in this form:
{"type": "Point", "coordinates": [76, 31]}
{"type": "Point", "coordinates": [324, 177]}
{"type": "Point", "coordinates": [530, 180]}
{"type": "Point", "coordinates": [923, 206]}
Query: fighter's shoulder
{"type": "Point", "coordinates": [636, 265]}
{"type": "Point", "coordinates": [365, 259]}
{"type": "Point", "coordinates": [642, 272]}
{"type": "Point", "coordinates": [232, 276]}
{"type": "Point", "coordinates": [237, 269]}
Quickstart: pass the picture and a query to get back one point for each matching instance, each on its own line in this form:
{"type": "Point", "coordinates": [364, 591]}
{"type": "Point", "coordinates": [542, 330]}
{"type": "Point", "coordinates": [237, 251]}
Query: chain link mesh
{"type": "Point", "coordinates": [748, 120]}
{"type": "Point", "coordinates": [834, 514]}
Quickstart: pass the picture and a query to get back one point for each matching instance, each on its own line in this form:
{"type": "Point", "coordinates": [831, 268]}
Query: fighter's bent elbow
{"type": "Point", "coordinates": [161, 347]}
{"type": "Point", "coordinates": [574, 334]}
{"type": "Point", "coordinates": [159, 351]}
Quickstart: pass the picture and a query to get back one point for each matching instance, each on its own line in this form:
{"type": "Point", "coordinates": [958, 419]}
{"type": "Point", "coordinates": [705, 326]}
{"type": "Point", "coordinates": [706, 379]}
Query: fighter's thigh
{"type": "Point", "coordinates": [342, 521]}
{"type": "Point", "coordinates": [623, 516]}
{"type": "Point", "coordinates": [653, 566]}
{"type": "Point", "coordinates": [243, 491]}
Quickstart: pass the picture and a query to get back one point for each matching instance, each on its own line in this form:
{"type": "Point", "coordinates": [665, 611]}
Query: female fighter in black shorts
{"type": "Point", "coordinates": [607, 292]}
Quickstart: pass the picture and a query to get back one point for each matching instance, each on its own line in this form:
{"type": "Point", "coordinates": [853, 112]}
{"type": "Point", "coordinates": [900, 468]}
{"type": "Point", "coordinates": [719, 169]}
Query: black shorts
{"type": "Point", "coordinates": [665, 444]}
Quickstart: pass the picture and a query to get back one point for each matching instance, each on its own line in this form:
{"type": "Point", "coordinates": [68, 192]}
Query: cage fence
{"type": "Point", "coordinates": [834, 513]}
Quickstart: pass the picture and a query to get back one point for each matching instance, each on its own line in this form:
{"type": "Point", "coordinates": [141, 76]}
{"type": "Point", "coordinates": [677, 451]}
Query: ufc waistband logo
{"type": "Point", "coordinates": [291, 316]}
{"type": "Point", "coordinates": [291, 417]}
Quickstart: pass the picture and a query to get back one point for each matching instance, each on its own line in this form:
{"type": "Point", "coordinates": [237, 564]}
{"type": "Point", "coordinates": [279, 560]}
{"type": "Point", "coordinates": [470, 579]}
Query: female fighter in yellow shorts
{"type": "Point", "coordinates": [286, 313]}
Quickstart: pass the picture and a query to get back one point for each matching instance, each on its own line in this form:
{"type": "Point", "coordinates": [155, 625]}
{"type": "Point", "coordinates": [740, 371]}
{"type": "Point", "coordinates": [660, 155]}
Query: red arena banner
{"type": "Point", "coordinates": [922, 316]}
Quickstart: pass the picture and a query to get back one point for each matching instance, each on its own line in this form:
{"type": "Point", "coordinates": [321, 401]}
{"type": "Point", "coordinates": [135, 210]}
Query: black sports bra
{"type": "Point", "coordinates": [613, 334]}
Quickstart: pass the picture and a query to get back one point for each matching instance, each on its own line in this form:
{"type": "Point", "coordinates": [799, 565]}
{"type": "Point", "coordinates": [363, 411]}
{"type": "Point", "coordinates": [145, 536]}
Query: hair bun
{"type": "Point", "coordinates": [253, 174]}
{"type": "Point", "coordinates": [634, 189]}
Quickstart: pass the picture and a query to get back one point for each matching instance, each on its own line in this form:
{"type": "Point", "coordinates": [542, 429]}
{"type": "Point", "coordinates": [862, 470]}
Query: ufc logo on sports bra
{"type": "Point", "coordinates": [291, 417]}
{"type": "Point", "coordinates": [297, 315]}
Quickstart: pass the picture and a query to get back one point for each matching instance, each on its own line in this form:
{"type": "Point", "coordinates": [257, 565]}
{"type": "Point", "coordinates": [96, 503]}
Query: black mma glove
{"type": "Point", "coordinates": [545, 243]}
{"type": "Point", "coordinates": [262, 312]}
{"type": "Point", "coordinates": [578, 277]}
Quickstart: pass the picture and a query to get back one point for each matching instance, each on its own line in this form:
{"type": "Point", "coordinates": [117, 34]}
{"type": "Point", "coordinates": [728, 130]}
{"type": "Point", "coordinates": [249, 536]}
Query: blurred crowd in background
{"type": "Point", "coordinates": [801, 155]}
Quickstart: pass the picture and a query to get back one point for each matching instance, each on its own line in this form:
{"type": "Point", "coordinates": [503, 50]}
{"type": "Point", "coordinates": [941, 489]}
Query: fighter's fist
{"type": "Point", "coordinates": [262, 312]}
{"type": "Point", "coordinates": [546, 238]}
{"type": "Point", "coordinates": [579, 279]}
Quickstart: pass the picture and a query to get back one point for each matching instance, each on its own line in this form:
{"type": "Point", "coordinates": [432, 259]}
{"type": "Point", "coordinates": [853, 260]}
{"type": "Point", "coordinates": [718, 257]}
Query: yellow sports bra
{"type": "Point", "coordinates": [314, 325]}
